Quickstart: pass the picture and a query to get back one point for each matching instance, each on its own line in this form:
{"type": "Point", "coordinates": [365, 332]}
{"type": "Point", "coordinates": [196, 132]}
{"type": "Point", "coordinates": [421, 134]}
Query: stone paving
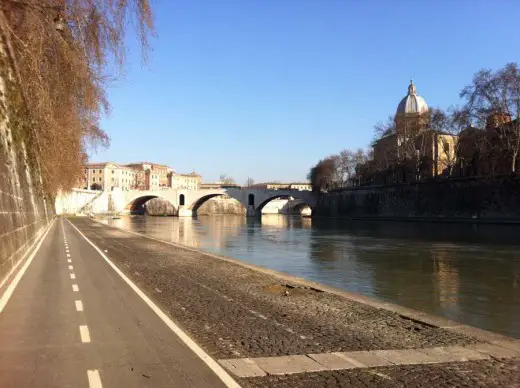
{"type": "Point", "coordinates": [483, 373]}
{"type": "Point", "coordinates": [284, 365]}
{"type": "Point", "coordinates": [251, 318]}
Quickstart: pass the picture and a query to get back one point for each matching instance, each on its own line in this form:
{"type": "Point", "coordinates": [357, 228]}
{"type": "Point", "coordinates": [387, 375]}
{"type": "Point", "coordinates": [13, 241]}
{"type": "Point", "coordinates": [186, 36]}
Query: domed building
{"type": "Point", "coordinates": [412, 104]}
{"type": "Point", "coordinates": [412, 150]}
{"type": "Point", "coordinates": [412, 113]}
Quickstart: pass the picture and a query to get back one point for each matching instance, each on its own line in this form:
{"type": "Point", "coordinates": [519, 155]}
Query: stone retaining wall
{"type": "Point", "coordinates": [482, 199]}
{"type": "Point", "coordinates": [24, 213]}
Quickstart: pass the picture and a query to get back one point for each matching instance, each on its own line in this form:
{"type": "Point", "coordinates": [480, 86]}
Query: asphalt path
{"type": "Point", "coordinates": [73, 321]}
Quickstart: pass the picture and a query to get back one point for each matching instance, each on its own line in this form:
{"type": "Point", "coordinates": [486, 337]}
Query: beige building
{"type": "Point", "coordinates": [191, 181]}
{"type": "Point", "coordinates": [136, 176]}
{"type": "Point", "coordinates": [107, 176]}
{"type": "Point", "coordinates": [301, 186]}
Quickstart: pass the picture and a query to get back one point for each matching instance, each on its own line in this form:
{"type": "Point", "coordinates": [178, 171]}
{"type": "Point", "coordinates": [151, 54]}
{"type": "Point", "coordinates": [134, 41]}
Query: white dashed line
{"type": "Point", "coordinates": [75, 288]}
{"type": "Point", "coordinates": [210, 362]}
{"type": "Point", "coordinates": [68, 255]}
{"type": "Point", "coordinates": [71, 267]}
{"type": "Point", "coordinates": [69, 261]}
{"type": "Point", "coordinates": [84, 333]}
{"type": "Point", "coordinates": [72, 276]}
{"type": "Point", "coordinates": [79, 305]}
{"type": "Point", "coordinates": [94, 381]}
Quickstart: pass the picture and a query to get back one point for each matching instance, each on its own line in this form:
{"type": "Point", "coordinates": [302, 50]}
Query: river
{"type": "Point", "coordinates": [467, 273]}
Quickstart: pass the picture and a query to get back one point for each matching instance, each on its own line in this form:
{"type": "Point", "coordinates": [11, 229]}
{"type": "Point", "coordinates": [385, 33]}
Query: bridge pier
{"type": "Point", "coordinates": [251, 211]}
{"type": "Point", "coordinates": [185, 212]}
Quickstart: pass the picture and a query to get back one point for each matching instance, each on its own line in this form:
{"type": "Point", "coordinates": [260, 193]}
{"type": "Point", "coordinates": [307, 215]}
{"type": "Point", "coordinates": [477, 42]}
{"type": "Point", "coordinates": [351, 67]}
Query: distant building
{"type": "Point", "coordinates": [136, 176]}
{"type": "Point", "coordinates": [301, 186]}
{"type": "Point", "coordinates": [219, 185]}
{"type": "Point", "coordinates": [107, 176]}
{"type": "Point", "coordinates": [191, 181]}
{"type": "Point", "coordinates": [150, 176]}
{"type": "Point", "coordinates": [414, 148]}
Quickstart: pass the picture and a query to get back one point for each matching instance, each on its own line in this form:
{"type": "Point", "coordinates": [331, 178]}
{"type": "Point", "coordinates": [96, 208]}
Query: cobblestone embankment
{"type": "Point", "coordinates": [251, 316]}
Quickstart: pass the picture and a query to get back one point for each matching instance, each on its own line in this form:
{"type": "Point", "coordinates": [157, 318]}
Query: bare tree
{"type": "Point", "coordinates": [493, 101]}
{"type": "Point", "coordinates": [345, 164]}
{"type": "Point", "coordinates": [322, 174]}
{"type": "Point", "coordinates": [57, 55]}
{"type": "Point", "coordinates": [226, 179]}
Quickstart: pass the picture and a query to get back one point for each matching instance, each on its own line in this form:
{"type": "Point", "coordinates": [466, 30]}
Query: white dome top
{"type": "Point", "coordinates": [412, 103]}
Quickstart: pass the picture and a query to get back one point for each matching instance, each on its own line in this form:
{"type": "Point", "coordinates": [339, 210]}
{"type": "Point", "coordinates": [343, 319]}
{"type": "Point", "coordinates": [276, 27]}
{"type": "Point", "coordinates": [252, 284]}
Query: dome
{"type": "Point", "coordinates": [412, 103]}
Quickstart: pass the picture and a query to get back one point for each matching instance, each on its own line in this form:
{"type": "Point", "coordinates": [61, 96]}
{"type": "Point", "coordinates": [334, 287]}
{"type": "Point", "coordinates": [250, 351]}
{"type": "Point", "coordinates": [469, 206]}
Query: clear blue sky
{"type": "Point", "coordinates": [265, 88]}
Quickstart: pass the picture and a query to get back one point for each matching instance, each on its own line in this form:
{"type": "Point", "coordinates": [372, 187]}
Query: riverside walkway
{"type": "Point", "coordinates": [95, 306]}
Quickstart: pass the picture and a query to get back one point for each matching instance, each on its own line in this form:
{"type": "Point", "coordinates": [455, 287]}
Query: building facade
{"type": "Point", "coordinates": [136, 176]}
{"type": "Point", "coordinates": [150, 176]}
{"type": "Point", "coordinates": [107, 176]}
{"type": "Point", "coordinates": [191, 181]}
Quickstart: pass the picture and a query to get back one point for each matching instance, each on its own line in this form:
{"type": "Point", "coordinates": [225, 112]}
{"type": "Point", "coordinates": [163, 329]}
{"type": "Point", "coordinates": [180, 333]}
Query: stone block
{"type": "Point", "coordinates": [511, 344]}
{"type": "Point", "coordinates": [439, 355]}
{"type": "Point", "coordinates": [242, 367]}
{"type": "Point", "coordinates": [364, 358]}
{"type": "Point", "coordinates": [332, 361]}
{"type": "Point", "coordinates": [460, 353]}
{"type": "Point", "coordinates": [495, 350]}
{"type": "Point", "coordinates": [284, 365]}
{"type": "Point", "coordinates": [404, 356]}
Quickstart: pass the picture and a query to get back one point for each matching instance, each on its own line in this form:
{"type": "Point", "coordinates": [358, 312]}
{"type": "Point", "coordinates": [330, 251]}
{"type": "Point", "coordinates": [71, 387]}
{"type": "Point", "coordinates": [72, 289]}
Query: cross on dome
{"type": "Point", "coordinates": [411, 88]}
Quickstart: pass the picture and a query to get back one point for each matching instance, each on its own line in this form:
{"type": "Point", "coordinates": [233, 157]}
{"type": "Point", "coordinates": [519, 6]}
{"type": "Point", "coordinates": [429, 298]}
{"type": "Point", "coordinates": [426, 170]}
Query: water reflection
{"type": "Point", "coordinates": [467, 273]}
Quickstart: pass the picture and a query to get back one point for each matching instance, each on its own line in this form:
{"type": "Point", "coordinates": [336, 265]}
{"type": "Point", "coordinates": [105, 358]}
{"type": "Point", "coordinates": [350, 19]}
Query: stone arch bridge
{"type": "Point", "coordinates": [186, 202]}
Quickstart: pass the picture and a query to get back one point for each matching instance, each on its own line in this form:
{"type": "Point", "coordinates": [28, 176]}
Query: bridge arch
{"type": "Point", "coordinates": [200, 201]}
{"type": "Point", "coordinates": [289, 196]}
{"type": "Point", "coordinates": [301, 208]}
{"type": "Point", "coordinates": [136, 205]}
{"type": "Point", "coordinates": [194, 207]}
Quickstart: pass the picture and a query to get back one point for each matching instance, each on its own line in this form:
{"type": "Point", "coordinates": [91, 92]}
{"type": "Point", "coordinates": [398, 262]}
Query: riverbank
{"type": "Point", "coordinates": [470, 200]}
{"type": "Point", "coordinates": [239, 312]}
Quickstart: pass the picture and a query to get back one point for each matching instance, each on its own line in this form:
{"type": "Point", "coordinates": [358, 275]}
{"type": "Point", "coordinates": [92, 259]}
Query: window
{"type": "Point", "coordinates": [446, 147]}
{"type": "Point", "coordinates": [112, 171]}
{"type": "Point", "coordinates": [100, 179]}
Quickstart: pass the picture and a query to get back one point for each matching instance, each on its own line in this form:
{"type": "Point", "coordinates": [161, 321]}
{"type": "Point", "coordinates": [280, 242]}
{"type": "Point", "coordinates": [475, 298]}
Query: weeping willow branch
{"type": "Point", "coordinates": [60, 52]}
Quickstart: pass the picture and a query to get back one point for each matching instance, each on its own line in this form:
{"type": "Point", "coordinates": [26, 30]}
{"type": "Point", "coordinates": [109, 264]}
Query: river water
{"type": "Point", "coordinates": [467, 273]}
